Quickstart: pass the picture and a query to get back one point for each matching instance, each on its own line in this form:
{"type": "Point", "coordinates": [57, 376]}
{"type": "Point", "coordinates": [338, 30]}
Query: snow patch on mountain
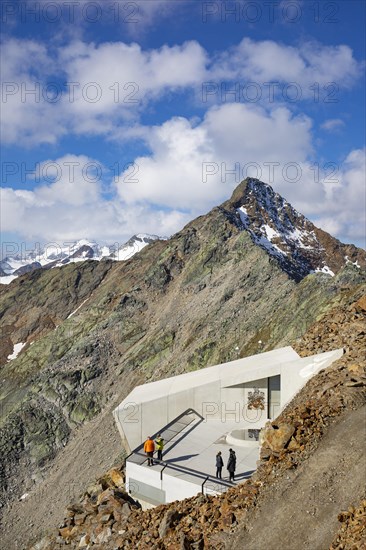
{"type": "Point", "coordinates": [7, 279]}
{"type": "Point", "coordinates": [17, 349]}
{"type": "Point", "coordinates": [77, 309]}
{"type": "Point", "coordinates": [348, 261]}
{"type": "Point", "coordinates": [325, 269]}
{"type": "Point", "coordinates": [134, 245]}
{"type": "Point", "coordinates": [278, 228]}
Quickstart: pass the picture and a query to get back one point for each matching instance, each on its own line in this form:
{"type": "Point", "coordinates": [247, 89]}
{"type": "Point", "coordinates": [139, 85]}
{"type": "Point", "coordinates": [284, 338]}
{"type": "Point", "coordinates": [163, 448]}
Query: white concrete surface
{"type": "Point", "coordinates": [220, 401]}
{"type": "Point", "coordinates": [196, 453]}
{"type": "Point", "coordinates": [215, 391]}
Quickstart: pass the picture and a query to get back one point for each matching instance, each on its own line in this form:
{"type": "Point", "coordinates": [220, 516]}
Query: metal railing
{"type": "Point", "coordinates": [184, 421]}
{"type": "Point", "coordinates": [219, 485]}
{"type": "Point", "coordinates": [169, 433]}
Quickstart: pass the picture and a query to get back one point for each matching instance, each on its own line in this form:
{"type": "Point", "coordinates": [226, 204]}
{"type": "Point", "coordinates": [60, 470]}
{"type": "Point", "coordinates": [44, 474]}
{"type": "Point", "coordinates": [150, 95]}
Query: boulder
{"type": "Point", "coordinates": [103, 536]}
{"type": "Point", "coordinates": [117, 477]}
{"type": "Point", "coordinates": [105, 496]}
{"type": "Point", "coordinates": [276, 437]}
{"type": "Point", "coordinates": [84, 541]}
{"type": "Point", "coordinates": [169, 519]}
{"type": "Point", "coordinates": [360, 305]}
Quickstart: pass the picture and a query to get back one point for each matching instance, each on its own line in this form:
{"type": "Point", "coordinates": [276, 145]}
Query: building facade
{"type": "Point", "coordinates": [202, 412]}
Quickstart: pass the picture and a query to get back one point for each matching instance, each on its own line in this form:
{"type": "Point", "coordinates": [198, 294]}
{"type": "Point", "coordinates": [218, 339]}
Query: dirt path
{"type": "Point", "coordinates": [301, 512]}
{"type": "Point", "coordinates": [89, 455]}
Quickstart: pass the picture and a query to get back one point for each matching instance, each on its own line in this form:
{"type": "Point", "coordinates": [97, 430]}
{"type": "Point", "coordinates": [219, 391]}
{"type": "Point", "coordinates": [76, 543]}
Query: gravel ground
{"type": "Point", "coordinates": [301, 512]}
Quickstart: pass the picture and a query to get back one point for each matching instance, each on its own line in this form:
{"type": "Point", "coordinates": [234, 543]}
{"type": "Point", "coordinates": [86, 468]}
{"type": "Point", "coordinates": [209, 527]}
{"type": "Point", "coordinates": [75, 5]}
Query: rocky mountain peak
{"type": "Point", "coordinates": [248, 187]}
{"type": "Point", "coordinates": [286, 234]}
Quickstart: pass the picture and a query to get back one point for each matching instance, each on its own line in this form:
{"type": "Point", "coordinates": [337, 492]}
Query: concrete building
{"type": "Point", "coordinates": [202, 412]}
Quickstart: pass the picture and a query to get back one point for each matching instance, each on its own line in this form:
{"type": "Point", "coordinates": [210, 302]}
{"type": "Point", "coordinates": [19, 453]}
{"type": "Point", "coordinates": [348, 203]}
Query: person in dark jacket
{"type": "Point", "coordinates": [231, 464]}
{"type": "Point", "coordinates": [219, 465]}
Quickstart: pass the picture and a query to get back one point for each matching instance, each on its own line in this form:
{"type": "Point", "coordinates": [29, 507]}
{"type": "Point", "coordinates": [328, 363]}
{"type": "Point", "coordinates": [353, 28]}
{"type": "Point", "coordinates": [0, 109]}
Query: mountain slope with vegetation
{"type": "Point", "coordinates": [207, 295]}
{"type": "Point", "coordinates": [307, 480]}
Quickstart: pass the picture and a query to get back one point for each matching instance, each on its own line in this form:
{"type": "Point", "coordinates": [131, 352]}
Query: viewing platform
{"type": "Point", "coordinates": [203, 412]}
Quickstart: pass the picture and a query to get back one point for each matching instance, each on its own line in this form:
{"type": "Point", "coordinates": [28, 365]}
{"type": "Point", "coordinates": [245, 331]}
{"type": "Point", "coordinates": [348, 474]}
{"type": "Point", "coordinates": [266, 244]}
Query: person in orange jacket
{"type": "Point", "coordinates": [149, 448]}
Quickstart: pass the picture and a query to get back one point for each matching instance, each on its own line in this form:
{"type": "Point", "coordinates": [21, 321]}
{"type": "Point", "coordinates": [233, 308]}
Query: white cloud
{"type": "Point", "coordinates": [190, 163]}
{"type": "Point", "coordinates": [172, 175]}
{"type": "Point", "coordinates": [348, 199]}
{"type": "Point", "coordinates": [119, 79]}
{"type": "Point", "coordinates": [332, 124]}
{"type": "Point", "coordinates": [106, 86]}
{"type": "Point", "coordinates": [73, 206]}
{"type": "Point", "coordinates": [76, 180]}
{"type": "Point", "coordinates": [110, 85]}
{"type": "Point", "coordinates": [251, 134]}
{"type": "Point", "coordinates": [269, 61]}
{"type": "Point", "coordinates": [25, 116]}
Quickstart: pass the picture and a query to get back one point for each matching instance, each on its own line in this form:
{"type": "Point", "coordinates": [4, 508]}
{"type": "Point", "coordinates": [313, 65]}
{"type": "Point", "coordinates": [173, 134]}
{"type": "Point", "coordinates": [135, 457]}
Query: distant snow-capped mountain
{"type": "Point", "coordinates": [53, 255]}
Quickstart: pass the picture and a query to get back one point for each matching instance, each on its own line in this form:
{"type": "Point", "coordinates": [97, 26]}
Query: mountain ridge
{"type": "Point", "coordinates": [207, 295]}
{"type": "Point", "coordinates": [54, 255]}
{"type": "Point", "coordinates": [275, 225]}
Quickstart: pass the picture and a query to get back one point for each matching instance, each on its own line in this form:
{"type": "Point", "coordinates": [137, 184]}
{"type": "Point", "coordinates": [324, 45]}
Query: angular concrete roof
{"type": "Point", "coordinates": [228, 373]}
{"type": "Point", "coordinates": [150, 407]}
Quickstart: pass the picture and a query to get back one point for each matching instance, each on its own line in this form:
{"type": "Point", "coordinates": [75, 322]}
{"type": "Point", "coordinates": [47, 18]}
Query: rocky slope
{"type": "Point", "coordinates": [312, 454]}
{"type": "Point", "coordinates": [40, 301]}
{"type": "Point", "coordinates": [95, 330]}
{"type": "Point", "coordinates": [298, 245]}
{"type": "Point", "coordinates": [352, 532]}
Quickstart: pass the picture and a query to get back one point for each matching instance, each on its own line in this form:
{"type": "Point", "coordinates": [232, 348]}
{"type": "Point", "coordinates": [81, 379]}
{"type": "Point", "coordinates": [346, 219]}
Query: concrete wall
{"type": "Point", "coordinates": [293, 379]}
{"type": "Point", "coordinates": [215, 392]}
{"type": "Point", "coordinates": [235, 401]}
{"type": "Point", "coordinates": [274, 396]}
{"type": "Point", "coordinates": [136, 421]}
{"type": "Point", "coordinates": [145, 485]}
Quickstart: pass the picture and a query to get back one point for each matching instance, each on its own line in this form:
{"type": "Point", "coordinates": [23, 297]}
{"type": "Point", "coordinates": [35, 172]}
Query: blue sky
{"type": "Point", "coordinates": [120, 117]}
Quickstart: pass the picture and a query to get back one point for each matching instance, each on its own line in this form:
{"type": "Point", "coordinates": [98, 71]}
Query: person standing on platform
{"type": "Point", "coordinates": [219, 465]}
{"type": "Point", "coordinates": [231, 464]}
{"type": "Point", "coordinates": [149, 448]}
{"type": "Point", "coordinates": [160, 446]}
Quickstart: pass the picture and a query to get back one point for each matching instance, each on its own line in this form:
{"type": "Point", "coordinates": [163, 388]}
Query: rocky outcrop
{"type": "Point", "coordinates": [352, 531]}
{"type": "Point", "coordinates": [27, 268]}
{"type": "Point", "coordinates": [84, 251]}
{"type": "Point", "coordinates": [55, 403]}
{"type": "Point", "coordinates": [111, 518]}
{"type": "Point", "coordinates": [290, 238]}
{"type": "Point", "coordinates": [209, 521]}
{"type": "Point", "coordinates": [342, 327]}
{"type": "Point", "coordinates": [95, 330]}
{"type": "Point", "coordinates": [274, 438]}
